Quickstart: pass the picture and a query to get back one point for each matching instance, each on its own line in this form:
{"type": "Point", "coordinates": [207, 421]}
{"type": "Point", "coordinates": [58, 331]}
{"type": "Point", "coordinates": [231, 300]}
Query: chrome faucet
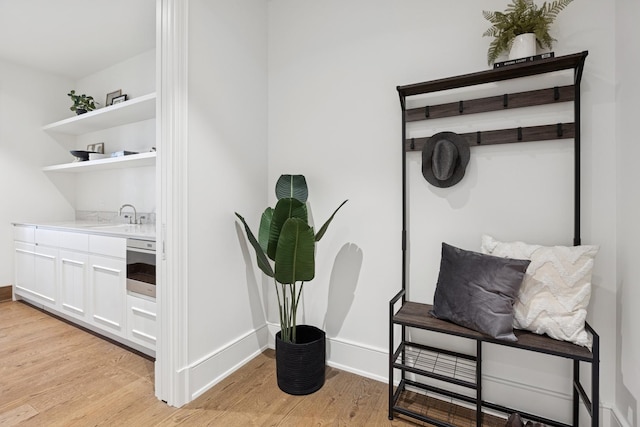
{"type": "Point", "coordinates": [135, 214]}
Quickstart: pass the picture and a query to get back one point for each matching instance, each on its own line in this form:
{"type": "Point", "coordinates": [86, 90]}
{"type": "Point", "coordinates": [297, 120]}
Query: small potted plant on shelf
{"type": "Point", "coordinates": [287, 240]}
{"type": "Point", "coordinates": [521, 27]}
{"type": "Point", "coordinates": [81, 103]}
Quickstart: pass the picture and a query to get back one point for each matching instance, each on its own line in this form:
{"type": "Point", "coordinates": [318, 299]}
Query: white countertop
{"type": "Point", "coordinates": [137, 231]}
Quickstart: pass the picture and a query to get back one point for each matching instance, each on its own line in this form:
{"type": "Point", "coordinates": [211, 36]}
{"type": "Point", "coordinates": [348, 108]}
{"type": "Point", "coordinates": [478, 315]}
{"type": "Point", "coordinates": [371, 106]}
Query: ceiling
{"type": "Point", "coordinates": [75, 38]}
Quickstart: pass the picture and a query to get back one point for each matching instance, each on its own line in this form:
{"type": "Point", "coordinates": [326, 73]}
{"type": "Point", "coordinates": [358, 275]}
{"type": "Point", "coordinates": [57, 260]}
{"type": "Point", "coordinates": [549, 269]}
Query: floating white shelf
{"type": "Point", "coordinates": [133, 110]}
{"type": "Point", "coordinates": [130, 161]}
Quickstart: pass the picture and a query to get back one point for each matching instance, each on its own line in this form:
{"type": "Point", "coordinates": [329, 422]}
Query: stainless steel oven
{"type": "Point", "coordinates": [141, 267]}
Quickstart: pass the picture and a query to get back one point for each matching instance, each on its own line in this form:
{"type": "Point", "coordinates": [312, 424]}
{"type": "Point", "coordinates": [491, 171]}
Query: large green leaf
{"type": "Point", "coordinates": [261, 258]}
{"type": "Point", "coordinates": [285, 209]}
{"type": "Point", "coordinates": [292, 186]}
{"type": "Point", "coordinates": [324, 227]}
{"type": "Point", "coordinates": [265, 226]}
{"type": "Point", "coordinates": [295, 255]}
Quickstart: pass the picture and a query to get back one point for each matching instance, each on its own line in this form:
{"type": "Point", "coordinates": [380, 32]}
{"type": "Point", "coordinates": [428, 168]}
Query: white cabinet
{"type": "Point", "coordinates": [24, 260]}
{"type": "Point", "coordinates": [108, 291]}
{"type": "Point", "coordinates": [74, 284]}
{"type": "Point", "coordinates": [35, 266]}
{"type": "Point", "coordinates": [108, 282]}
{"type": "Point", "coordinates": [110, 246]}
{"type": "Point", "coordinates": [46, 268]}
{"type": "Point", "coordinates": [141, 320]}
{"type": "Point", "coordinates": [25, 269]}
{"type": "Point", "coordinates": [83, 277]}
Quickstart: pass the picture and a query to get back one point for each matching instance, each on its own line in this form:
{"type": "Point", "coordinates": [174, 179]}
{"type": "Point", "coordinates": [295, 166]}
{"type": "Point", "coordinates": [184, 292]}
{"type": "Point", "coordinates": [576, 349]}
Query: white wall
{"type": "Point", "coordinates": [334, 116]}
{"type": "Point", "coordinates": [627, 342]}
{"type": "Point", "coordinates": [227, 160]}
{"type": "Point", "coordinates": [28, 101]}
{"type": "Point", "coordinates": [134, 77]}
{"type": "Point", "coordinates": [106, 191]}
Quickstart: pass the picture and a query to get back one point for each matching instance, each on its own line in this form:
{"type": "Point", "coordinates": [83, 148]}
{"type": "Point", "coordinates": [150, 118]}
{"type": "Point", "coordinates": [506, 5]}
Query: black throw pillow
{"type": "Point", "coordinates": [477, 291]}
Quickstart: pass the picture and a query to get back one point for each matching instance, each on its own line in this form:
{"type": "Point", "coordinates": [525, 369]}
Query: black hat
{"type": "Point", "coordinates": [444, 158]}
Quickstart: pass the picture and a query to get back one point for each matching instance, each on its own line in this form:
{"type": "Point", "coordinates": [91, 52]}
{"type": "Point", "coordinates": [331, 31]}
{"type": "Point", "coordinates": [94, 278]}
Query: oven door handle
{"type": "Point", "coordinates": [142, 251]}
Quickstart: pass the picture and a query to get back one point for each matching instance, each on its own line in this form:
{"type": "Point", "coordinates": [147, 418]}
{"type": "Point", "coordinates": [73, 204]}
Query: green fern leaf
{"type": "Point", "coordinates": [521, 16]}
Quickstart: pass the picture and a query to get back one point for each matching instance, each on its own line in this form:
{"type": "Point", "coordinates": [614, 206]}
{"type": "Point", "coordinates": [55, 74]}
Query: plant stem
{"type": "Point", "coordinates": [286, 336]}
{"type": "Point", "coordinates": [280, 309]}
{"type": "Point", "coordinates": [294, 308]}
{"type": "Point", "coordinates": [288, 309]}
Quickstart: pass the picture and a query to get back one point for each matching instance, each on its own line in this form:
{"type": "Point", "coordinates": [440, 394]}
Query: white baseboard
{"type": "Point", "coordinates": [217, 365]}
{"type": "Point", "coordinates": [371, 362]}
{"type": "Point", "coordinates": [359, 359]}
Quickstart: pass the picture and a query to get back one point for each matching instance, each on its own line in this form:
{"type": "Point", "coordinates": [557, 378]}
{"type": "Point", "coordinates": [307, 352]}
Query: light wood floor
{"type": "Point", "coordinates": [54, 374]}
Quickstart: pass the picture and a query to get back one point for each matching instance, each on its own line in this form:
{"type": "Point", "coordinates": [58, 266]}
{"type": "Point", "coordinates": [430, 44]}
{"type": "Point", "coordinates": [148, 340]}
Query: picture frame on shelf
{"type": "Point", "coordinates": [96, 148]}
{"type": "Point", "coordinates": [112, 95]}
{"type": "Point", "coordinates": [119, 99]}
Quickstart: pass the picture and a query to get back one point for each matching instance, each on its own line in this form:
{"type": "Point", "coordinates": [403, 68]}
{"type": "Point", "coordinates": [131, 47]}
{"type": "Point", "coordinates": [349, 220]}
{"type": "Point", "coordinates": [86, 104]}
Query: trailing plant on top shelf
{"type": "Point", "coordinates": [521, 17]}
{"type": "Point", "coordinates": [81, 103]}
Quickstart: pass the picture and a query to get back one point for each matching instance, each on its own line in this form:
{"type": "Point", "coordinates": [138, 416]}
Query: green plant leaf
{"type": "Point", "coordinates": [261, 258]}
{"type": "Point", "coordinates": [292, 186]}
{"type": "Point", "coordinates": [324, 227]}
{"type": "Point", "coordinates": [265, 226]}
{"type": "Point", "coordinates": [521, 16]}
{"type": "Point", "coordinates": [295, 256]}
{"type": "Point", "coordinates": [285, 209]}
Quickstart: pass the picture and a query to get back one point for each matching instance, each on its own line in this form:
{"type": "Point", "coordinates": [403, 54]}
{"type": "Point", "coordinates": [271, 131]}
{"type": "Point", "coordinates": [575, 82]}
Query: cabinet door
{"type": "Point", "coordinates": [141, 321]}
{"type": "Point", "coordinates": [73, 283]}
{"type": "Point", "coordinates": [25, 274]}
{"type": "Point", "coordinates": [108, 281]}
{"type": "Point", "coordinates": [46, 274]}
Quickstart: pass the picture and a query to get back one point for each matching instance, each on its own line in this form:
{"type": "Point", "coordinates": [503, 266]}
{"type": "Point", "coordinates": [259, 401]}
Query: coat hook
{"type": "Point", "coordinates": [505, 100]}
{"type": "Point", "coordinates": [559, 130]}
{"type": "Point", "coordinates": [426, 111]}
{"type": "Point", "coordinates": [460, 107]}
{"type": "Point", "coordinates": [478, 139]}
{"type": "Point", "coordinates": [519, 134]}
{"type": "Point", "coordinates": [413, 144]}
{"type": "Point", "coordinates": [556, 93]}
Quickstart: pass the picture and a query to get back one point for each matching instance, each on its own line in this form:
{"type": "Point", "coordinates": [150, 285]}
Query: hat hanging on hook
{"type": "Point", "coordinates": [444, 159]}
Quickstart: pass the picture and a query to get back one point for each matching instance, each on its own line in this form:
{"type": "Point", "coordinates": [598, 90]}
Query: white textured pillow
{"type": "Point", "coordinates": [554, 296]}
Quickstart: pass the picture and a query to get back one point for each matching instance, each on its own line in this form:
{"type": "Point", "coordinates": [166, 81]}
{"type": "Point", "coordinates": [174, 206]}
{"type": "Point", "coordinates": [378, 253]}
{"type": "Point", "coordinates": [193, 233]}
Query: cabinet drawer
{"type": "Point", "coordinates": [24, 233]}
{"type": "Point", "coordinates": [74, 241]}
{"type": "Point", "coordinates": [141, 321]}
{"type": "Point", "coordinates": [47, 237]}
{"type": "Point", "coordinates": [110, 246]}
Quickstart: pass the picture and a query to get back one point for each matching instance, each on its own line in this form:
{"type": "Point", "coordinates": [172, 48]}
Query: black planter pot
{"type": "Point", "coordinates": [300, 367]}
{"type": "Point", "coordinates": [80, 111]}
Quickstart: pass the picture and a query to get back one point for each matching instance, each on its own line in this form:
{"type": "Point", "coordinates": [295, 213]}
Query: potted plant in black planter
{"type": "Point", "coordinates": [81, 103]}
{"type": "Point", "coordinates": [288, 241]}
{"type": "Point", "coordinates": [524, 22]}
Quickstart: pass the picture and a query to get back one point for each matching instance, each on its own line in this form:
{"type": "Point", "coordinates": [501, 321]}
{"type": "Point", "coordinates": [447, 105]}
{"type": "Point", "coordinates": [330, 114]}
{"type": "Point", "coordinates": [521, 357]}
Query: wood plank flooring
{"type": "Point", "coordinates": [54, 374]}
